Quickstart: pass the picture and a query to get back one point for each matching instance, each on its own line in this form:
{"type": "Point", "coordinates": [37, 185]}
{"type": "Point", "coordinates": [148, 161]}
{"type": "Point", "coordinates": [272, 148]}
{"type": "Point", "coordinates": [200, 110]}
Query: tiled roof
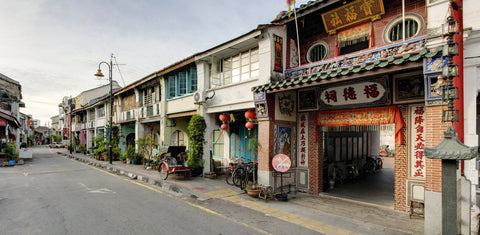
{"type": "Point", "coordinates": [384, 57]}
{"type": "Point", "coordinates": [310, 4]}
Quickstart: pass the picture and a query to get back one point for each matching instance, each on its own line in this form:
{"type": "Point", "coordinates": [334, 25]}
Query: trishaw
{"type": "Point", "coordinates": [174, 161]}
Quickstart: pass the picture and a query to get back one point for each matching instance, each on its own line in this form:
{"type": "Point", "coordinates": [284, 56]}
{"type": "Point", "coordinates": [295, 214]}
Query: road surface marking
{"type": "Point", "coordinates": [200, 207]}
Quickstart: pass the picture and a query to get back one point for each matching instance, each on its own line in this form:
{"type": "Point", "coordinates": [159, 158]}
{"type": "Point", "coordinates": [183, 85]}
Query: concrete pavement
{"type": "Point", "coordinates": [323, 213]}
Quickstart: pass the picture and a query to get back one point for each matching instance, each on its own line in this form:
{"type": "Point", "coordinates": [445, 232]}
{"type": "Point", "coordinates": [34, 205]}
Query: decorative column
{"type": "Point", "coordinates": [450, 151]}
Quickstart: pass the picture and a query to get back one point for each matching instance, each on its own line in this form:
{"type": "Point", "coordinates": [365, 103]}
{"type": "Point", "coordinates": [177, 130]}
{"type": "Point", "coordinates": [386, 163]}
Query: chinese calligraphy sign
{"type": "Point", "coordinates": [417, 127]}
{"type": "Point", "coordinates": [352, 94]}
{"type": "Point", "coordinates": [352, 13]}
{"type": "Point", "coordinates": [302, 140]}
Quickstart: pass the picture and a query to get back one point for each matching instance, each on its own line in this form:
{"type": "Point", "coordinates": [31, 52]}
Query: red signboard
{"type": "Point", "coordinates": [3, 122]}
{"type": "Point", "coordinates": [281, 162]}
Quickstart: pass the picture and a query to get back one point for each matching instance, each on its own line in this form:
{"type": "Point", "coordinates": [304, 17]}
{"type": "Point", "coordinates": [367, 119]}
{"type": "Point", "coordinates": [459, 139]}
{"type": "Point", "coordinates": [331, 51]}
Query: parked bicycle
{"type": "Point", "coordinates": [244, 173]}
{"type": "Point", "coordinates": [231, 170]}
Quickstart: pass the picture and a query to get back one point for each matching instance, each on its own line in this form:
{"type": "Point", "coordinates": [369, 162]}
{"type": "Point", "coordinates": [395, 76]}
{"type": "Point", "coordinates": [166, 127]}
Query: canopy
{"type": "Point", "coordinates": [364, 117]}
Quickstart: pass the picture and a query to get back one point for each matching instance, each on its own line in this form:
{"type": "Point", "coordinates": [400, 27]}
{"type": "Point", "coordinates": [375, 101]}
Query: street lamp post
{"type": "Point", "coordinates": [100, 74]}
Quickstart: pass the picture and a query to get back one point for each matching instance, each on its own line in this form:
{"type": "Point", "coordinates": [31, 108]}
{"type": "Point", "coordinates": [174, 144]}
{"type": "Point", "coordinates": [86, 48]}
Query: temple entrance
{"type": "Point", "coordinates": [359, 163]}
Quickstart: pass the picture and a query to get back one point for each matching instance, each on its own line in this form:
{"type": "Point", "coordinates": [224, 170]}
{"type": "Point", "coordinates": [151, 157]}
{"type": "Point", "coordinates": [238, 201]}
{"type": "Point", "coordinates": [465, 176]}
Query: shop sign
{"type": "Point", "coordinates": [352, 13]}
{"type": "Point", "coordinates": [65, 134]}
{"type": "Point", "coordinates": [3, 122]}
{"type": "Point", "coordinates": [351, 94]}
{"type": "Point", "coordinates": [303, 140]}
{"type": "Point", "coordinates": [417, 140]}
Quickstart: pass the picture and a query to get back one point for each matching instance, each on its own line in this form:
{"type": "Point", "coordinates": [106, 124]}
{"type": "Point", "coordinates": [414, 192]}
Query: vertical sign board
{"type": "Point", "coordinates": [417, 140]}
{"type": "Point", "coordinates": [302, 140]}
{"type": "Point", "coordinates": [278, 53]}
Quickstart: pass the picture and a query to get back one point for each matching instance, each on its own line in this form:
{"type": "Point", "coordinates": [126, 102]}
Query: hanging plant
{"type": "Point", "coordinates": [196, 136]}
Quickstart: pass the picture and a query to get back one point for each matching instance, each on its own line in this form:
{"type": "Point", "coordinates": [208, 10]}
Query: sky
{"type": "Point", "coordinates": [53, 47]}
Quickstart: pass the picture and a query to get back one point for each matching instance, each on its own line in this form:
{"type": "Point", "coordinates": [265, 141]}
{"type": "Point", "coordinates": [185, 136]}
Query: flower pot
{"type": "Point", "coordinates": [253, 192]}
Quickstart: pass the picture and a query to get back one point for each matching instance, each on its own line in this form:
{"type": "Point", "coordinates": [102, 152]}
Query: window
{"type": "Point", "coordinates": [177, 139]}
{"type": "Point", "coordinates": [101, 111]}
{"type": "Point", "coordinates": [317, 51]}
{"type": "Point", "coordinates": [193, 79]}
{"type": "Point", "coordinates": [239, 67]}
{"type": "Point", "coordinates": [394, 30]}
{"type": "Point", "coordinates": [91, 114]}
{"type": "Point", "coordinates": [354, 38]}
{"type": "Point", "coordinates": [182, 83]}
{"type": "Point", "coordinates": [148, 95]}
{"type": "Point", "coordinates": [218, 144]}
{"type": "Point", "coordinates": [171, 87]}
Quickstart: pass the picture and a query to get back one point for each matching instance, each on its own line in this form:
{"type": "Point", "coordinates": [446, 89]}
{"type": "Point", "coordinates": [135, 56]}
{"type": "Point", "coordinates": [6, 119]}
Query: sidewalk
{"type": "Point", "coordinates": [327, 210]}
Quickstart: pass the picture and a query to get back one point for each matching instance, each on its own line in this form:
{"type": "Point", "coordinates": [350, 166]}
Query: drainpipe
{"type": "Point", "coordinates": [457, 13]}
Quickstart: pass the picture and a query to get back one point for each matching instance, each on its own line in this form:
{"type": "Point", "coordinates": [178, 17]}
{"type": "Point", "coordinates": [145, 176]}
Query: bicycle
{"type": "Point", "coordinates": [230, 171]}
{"type": "Point", "coordinates": [245, 173]}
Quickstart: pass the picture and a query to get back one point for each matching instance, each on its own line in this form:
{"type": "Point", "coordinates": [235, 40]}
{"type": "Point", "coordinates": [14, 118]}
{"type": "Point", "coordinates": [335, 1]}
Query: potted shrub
{"type": "Point", "coordinates": [11, 152]}
{"type": "Point", "coordinates": [130, 154]}
{"type": "Point", "coordinates": [196, 136]}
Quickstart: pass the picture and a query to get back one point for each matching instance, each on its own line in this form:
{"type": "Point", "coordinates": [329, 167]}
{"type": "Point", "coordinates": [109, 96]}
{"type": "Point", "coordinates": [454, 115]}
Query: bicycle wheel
{"type": "Point", "coordinates": [163, 171]}
{"type": "Point", "coordinates": [379, 163]}
{"type": "Point", "coordinates": [229, 176]}
{"type": "Point", "coordinates": [239, 177]}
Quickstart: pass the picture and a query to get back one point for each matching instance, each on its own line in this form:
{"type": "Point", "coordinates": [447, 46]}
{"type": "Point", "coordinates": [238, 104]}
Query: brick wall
{"type": "Point", "coordinates": [315, 158]}
{"type": "Point", "coordinates": [311, 28]}
{"type": "Point", "coordinates": [434, 135]}
{"type": "Point", "coordinates": [401, 165]}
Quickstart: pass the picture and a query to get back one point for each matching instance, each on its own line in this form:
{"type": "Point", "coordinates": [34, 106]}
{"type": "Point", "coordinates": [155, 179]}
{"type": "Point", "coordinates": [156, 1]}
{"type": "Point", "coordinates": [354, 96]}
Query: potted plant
{"type": "Point", "coordinates": [252, 190]}
{"type": "Point", "coordinates": [11, 152]}
{"type": "Point", "coordinates": [196, 136]}
{"type": "Point", "coordinates": [130, 154]}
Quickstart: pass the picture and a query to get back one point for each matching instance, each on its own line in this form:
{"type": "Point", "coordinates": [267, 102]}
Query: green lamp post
{"type": "Point", "coordinates": [100, 74]}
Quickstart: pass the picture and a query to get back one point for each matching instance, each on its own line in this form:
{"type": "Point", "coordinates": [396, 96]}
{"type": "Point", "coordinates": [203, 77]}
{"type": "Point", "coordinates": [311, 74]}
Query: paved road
{"type": "Point", "coordinates": [55, 195]}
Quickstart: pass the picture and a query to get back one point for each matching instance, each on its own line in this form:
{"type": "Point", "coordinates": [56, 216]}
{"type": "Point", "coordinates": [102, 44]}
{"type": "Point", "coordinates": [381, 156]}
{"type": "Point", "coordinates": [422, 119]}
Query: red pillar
{"type": "Point", "coordinates": [457, 13]}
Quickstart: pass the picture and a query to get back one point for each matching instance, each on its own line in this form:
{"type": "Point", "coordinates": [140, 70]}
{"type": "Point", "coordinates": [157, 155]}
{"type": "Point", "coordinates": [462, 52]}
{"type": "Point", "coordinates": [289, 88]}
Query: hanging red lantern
{"type": "Point", "coordinates": [224, 126]}
{"type": "Point", "coordinates": [223, 117]}
{"type": "Point", "coordinates": [250, 115]}
{"type": "Point", "coordinates": [249, 125]}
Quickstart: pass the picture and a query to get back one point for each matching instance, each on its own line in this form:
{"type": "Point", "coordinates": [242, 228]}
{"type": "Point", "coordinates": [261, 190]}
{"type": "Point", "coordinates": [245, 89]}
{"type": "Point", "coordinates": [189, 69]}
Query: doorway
{"type": "Point", "coordinates": [350, 155]}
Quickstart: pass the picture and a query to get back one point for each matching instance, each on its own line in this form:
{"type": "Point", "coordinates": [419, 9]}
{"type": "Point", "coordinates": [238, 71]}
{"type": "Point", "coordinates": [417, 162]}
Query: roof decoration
{"type": "Point", "coordinates": [395, 54]}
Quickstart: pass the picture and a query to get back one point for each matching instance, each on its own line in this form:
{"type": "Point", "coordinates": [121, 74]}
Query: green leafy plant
{"type": "Point", "coordinates": [10, 151]}
{"type": "Point", "coordinates": [145, 146]}
{"type": "Point", "coordinates": [196, 136]}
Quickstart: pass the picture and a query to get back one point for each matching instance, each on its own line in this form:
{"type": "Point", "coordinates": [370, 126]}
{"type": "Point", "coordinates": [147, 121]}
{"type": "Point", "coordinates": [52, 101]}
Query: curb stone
{"type": "Point", "coordinates": [164, 185]}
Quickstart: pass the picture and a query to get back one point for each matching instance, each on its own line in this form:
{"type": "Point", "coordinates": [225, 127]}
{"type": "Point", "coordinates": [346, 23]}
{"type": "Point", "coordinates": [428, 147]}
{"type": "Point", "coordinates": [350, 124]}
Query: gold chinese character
{"type": "Point", "coordinates": [351, 15]}
{"type": "Point", "coordinates": [366, 7]}
{"type": "Point", "coordinates": [335, 19]}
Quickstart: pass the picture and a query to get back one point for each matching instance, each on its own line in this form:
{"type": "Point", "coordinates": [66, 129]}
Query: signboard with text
{"type": "Point", "coordinates": [352, 13]}
{"type": "Point", "coordinates": [281, 163]}
{"type": "Point", "coordinates": [417, 140]}
{"type": "Point", "coordinates": [354, 95]}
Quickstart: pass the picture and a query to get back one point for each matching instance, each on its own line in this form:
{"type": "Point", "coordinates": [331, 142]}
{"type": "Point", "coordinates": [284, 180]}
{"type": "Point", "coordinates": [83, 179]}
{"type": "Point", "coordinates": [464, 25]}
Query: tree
{"type": "Point", "coordinates": [196, 136]}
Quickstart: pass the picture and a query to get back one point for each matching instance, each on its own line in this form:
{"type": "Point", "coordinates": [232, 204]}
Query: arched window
{"type": "Point", "coordinates": [177, 138]}
{"type": "Point", "coordinates": [317, 51]}
{"type": "Point", "coordinates": [394, 30]}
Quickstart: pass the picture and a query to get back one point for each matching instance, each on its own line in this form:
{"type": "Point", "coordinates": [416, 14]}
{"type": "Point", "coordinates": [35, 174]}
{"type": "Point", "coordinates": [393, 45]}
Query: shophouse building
{"type": "Point", "coordinates": [89, 112]}
{"type": "Point", "coordinates": [138, 111]}
{"type": "Point", "coordinates": [10, 104]}
{"type": "Point", "coordinates": [226, 73]}
{"type": "Point", "coordinates": [359, 75]}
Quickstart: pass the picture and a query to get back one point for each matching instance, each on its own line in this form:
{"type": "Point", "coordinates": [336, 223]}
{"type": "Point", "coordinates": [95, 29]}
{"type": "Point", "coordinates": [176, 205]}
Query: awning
{"type": "Point", "coordinates": [364, 117]}
{"type": "Point", "coordinates": [11, 119]}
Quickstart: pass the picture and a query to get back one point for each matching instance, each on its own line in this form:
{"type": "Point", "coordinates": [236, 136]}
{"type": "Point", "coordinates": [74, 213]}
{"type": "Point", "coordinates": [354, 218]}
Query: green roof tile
{"type": "Point", "coordinates": [356, 70]}
{"type": "Point", "coordinates": [406, 56]}
{"type": "Point", "coordinates": [415, 57]}
{"type": "Point", "coordinates": [398, 61]}
{"type": "Point", "coordinates": [370, 67]}
{"type": "Point", "coordinates": [324, 76]}
{"type": "Point", "coordinates": [383, 64]}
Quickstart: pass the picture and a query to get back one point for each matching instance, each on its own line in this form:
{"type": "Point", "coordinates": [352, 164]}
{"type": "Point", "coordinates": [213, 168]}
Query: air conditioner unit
{"type": "Point", "coordinates": [199, 97]}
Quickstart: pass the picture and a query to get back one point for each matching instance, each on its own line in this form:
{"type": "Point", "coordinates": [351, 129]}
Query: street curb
{"type": "Point", "coordinates": [170, 187]}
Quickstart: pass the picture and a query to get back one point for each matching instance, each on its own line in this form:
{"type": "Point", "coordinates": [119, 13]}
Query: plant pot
{"type": "Point", "coordinates": [197, 172]}
{"type": "Point", "coordinates": [253, 192]}
{"type": "Point", "coordinates": [105, 158]}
